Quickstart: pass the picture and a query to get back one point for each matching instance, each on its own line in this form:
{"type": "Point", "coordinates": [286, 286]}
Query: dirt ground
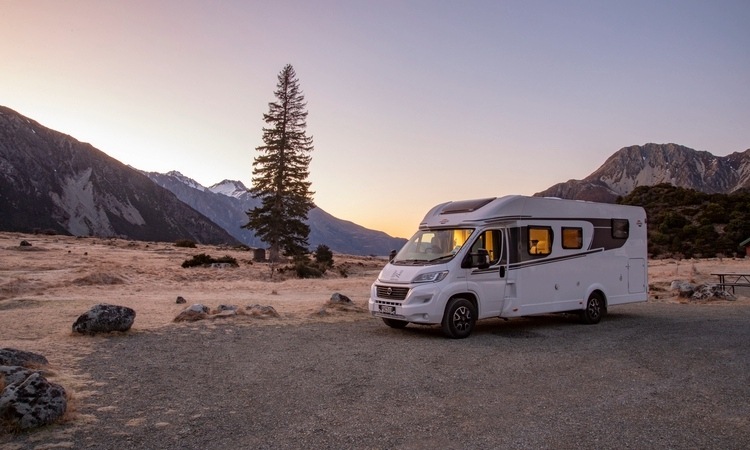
{"type": "Point", "coordinates": [44, 287]}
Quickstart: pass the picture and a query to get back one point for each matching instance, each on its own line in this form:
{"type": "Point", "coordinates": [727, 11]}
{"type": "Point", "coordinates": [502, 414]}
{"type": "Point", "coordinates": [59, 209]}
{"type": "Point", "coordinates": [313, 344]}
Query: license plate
{"type": "Point", "coordinates": [385, 309]}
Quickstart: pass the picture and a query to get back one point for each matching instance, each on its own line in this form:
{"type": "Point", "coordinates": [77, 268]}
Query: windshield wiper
{"type": "Point", "coordinates": [442, 257]}
{"type": "Point", "coordinates": [410, 261]}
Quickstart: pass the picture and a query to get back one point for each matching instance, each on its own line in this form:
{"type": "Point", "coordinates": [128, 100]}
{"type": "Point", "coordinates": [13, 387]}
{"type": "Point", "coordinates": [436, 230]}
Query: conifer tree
{"type": "Point", "coordinates": [280, 172]}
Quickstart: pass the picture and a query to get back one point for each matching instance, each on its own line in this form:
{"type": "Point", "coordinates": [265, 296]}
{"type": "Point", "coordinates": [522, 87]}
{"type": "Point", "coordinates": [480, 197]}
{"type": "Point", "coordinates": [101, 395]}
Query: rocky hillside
{"type": "Point", "coordinates": [652, 164]}
{"type": "Point", "coordinates": [226, 204]}
{"type": "Point", "coordinates": [51, 182]}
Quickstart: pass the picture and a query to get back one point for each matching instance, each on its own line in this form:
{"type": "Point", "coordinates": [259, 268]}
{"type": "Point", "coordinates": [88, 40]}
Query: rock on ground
{"type": "Point", "coordinates": [104, 318]}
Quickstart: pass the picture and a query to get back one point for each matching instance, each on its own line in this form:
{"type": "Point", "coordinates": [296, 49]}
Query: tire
{"type": "Point", "coordinates": [459, 319]}
{"type": "Point", "coordinates": [595, 309]}
{"type": "Point", "coordinates": [393, 323]}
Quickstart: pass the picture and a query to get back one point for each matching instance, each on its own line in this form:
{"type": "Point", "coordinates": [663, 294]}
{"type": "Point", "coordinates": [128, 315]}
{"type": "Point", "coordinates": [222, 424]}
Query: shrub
{"type": "Point", "coordinates": [226, 259]}
{"type": "Point", "coordinates": [186, 243]}
{"type": "Point", "coordinates": [324, 255]}
{"type": "Point", "coordinates": [308, 270]}
{"type": "Point", "coordinates": [206, 260]}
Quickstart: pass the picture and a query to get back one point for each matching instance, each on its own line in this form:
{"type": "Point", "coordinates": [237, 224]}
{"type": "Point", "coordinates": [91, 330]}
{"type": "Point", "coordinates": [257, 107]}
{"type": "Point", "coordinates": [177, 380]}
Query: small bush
{"type": "Point", "coordinates": [186, 243]}
{"type": "Point", "coordinates": [306, 269]}
{"type": "Point", "coordinates": [203, 260]}
{"type": "Point", "coordinates": [324, 255]}
{"type": "Point", "coordinates": [226, 259]}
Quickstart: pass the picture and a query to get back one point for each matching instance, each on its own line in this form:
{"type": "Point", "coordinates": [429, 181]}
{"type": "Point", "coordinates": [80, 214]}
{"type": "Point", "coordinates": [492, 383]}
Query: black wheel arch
{"type": "Point", "coordinates": [468, 296]}
{"type": "Point", "coordinates": [602, 296]}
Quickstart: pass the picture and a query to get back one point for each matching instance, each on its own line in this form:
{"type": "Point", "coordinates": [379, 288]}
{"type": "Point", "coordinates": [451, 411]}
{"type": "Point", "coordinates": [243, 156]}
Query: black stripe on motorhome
{"type": "Point", "coordinates": [602, 228]}
{"type": "Point", "coordinates": [537, 262]}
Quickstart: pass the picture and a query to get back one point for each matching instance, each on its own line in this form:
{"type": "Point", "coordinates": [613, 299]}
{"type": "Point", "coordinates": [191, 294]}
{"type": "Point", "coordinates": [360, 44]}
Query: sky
{"type": "Point", "coordinates": [410, 103]}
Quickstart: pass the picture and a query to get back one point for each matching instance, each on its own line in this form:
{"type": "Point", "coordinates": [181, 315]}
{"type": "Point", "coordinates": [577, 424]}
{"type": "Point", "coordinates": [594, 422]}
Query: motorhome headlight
{"type": "Point", "coordinates": [430, 277]}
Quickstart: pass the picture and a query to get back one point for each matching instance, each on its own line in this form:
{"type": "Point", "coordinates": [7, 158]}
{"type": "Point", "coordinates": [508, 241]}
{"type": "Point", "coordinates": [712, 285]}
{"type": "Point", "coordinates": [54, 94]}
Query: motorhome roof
{"type": "Point", "coordinates": [514, 207]}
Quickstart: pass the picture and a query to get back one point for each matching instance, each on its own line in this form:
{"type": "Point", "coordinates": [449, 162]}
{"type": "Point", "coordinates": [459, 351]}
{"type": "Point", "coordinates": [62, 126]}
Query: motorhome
{"type": "Point", "coordinates": [514, 256]}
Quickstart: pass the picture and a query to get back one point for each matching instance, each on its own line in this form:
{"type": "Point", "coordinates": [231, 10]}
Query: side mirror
{"type": "Point", "coordinates": [483, 258]}
{"type": "Point", "coordinates": [480, 259]}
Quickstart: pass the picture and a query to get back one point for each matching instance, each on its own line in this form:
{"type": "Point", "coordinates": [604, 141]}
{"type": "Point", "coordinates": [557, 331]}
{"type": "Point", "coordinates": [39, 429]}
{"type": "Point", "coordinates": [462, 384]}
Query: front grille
{"type": "Point", "coordinates": [392, 293]}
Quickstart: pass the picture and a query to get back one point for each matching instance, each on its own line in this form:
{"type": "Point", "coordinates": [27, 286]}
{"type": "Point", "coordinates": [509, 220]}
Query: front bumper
{"type": "Point", "coordinates": [419, 305]}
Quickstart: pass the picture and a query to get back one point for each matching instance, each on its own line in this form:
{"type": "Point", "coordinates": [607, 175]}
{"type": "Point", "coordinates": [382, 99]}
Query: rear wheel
{"type": "Point", "coordinates": [393, 323]}
{"type": "Point", "coordinates": [459, 319]}
{"type": "Point", "coordinates": [595, 309]}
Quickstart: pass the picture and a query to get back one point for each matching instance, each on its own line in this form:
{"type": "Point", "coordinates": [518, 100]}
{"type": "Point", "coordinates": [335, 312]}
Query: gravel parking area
{"type": "Point", "coordinates": [650, 375]}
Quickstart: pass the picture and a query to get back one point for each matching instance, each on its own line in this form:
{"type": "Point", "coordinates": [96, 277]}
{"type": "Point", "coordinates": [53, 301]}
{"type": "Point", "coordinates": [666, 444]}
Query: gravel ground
{"type": "Point", "coordinates": [649, 376]}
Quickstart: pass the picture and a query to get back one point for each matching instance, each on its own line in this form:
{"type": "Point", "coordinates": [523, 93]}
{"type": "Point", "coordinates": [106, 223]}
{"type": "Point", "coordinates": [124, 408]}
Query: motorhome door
{"type": "Point", "coordinates": [488, 281]}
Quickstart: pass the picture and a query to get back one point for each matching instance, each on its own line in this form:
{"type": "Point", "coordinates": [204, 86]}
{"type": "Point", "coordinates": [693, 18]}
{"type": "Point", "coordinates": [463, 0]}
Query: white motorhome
{"type": "Point", "coordinates": [514, 256]}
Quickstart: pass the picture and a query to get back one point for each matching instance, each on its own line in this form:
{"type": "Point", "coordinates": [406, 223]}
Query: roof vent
{"type": "Point", "coordinates": [465, 206]}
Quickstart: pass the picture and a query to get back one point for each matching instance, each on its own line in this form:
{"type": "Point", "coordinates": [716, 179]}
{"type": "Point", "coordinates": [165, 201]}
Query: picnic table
{"type": "Point", "coordinates": [732, 280]}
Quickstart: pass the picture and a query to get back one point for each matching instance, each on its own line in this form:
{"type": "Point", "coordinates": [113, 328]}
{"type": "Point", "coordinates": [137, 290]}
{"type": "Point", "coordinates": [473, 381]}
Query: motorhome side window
{"type": "Point", "coordinates": [540, 240]}
{"type": "Point", "coordinates": [572, 238]}
{"type": "Point", "coordinates": [620, 228]}
{"type": "Point", "coordinates": [492, 241]}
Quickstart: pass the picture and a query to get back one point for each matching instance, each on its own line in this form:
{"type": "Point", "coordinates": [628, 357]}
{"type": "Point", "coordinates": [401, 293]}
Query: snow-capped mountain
{"type": "Point", "coordinates": [230, 188]}
{"type": "Point", "coordinates": [227, 202]}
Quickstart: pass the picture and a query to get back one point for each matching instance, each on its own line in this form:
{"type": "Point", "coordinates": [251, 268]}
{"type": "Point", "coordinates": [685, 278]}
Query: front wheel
{"type": "Point", "coordinates": [459, 319]}
{"type": "Point", "coordinates": [393, 323]}
{"type": "Point", "coordinates": [594, 311]}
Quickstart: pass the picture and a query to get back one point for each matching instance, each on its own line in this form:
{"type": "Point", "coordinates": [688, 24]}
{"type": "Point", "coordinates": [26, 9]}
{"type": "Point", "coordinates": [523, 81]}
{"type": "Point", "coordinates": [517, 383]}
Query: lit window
{"type": "Point", "coordinates": [540, 240]}
{"type": "Point", "coordinates": [572, 238]}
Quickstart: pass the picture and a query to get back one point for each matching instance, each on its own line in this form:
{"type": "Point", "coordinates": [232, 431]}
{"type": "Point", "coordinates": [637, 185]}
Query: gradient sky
{"type": "Point", "coordinates": [411, 103]}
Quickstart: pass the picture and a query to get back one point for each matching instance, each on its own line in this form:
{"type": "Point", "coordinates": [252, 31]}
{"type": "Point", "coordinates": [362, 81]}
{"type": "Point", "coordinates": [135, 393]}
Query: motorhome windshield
{"type": "Point", "coordinates": [432, 246]}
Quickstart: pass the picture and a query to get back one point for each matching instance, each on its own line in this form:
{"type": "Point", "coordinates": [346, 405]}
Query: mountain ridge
{"type": "Point", "coordinates": [227, 202]}
{"type": "Point", "coordinates": [51, 182]}
{"type": "Point", "coordinates": [652, 164]}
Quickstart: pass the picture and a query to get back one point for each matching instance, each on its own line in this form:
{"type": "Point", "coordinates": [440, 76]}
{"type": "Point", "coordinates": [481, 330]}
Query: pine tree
{"type": "Point", "coordinates": [280, 172]}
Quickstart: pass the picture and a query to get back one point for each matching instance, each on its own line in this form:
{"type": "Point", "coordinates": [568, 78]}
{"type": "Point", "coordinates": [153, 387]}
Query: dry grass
{"type": "Point", "coordinates": [45, 287]}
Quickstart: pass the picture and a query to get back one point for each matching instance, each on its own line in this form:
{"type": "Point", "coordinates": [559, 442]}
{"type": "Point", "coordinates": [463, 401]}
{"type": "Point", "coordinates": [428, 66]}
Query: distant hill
{"type": "Point", "coordinates": [653, 164]}
{"type": "Point", "coordinates": [227, 202]}
{"type": "Point", "coordinates": [51, 182]}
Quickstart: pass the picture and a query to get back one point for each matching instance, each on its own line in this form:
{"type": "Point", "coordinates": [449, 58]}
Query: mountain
{"type": "Point", "coordinates": [653, 164]}
{"type": "Point", "coordinates": [51, 182]}
{"type": "Point", "coordinates": [226, 203]}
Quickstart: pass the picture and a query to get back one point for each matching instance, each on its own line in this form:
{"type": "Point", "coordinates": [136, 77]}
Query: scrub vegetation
{"type": "Point", "coordinates": [685, 223]}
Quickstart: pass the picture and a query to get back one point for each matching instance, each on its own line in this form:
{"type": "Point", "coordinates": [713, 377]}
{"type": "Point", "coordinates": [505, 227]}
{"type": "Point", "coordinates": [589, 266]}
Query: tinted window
{"type": "Point", "coordinates": [620, 228]}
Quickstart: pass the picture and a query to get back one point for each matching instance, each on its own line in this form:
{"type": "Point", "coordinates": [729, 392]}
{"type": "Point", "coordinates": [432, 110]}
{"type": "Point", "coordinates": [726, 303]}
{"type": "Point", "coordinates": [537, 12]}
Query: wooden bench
{"type": "Point", "coordinates": [733, 280]}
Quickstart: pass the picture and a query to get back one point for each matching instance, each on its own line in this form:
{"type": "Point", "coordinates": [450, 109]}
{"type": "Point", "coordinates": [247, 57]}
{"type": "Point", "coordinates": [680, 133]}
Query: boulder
{"type": "Point", "coordinates": [31, 403]}
{"type": "Point", "coordinates": [261, 311]}
{"type": "Point", "coordinates": [683, 288]}
{"type": "Point", "coordinates": [14, 374]}
{"type": "Point", "coordinates": [192, 313]}
{"type": "Point", "coordinates": [180, 300]}
{"type": "Point", "coordinates": [223, 314]}
{"type": "Point", "coordinates": [340, 298]}
{"type": "Point", "coordinates": [104, 318]}
{"type": "Point", "coordinates": [337, 302]}
{"type": "Point", "coordinates": [709, 291]}
{"type": "Point", "coordinates": [13, 357]}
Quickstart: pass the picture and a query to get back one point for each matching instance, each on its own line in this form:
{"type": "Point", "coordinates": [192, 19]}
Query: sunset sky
{"type": "Point", "coordinates": [410, 103]}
